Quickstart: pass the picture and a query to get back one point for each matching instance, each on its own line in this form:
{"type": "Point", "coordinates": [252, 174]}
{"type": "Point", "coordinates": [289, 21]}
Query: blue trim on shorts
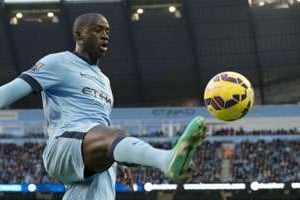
{"type": "Point", "coordinates": [73, 134]}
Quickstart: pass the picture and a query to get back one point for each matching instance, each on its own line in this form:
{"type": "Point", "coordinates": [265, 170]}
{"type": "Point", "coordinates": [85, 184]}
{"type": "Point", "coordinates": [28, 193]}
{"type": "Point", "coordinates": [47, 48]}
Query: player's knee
{"type": "Point", "coordinates": [122, 133]}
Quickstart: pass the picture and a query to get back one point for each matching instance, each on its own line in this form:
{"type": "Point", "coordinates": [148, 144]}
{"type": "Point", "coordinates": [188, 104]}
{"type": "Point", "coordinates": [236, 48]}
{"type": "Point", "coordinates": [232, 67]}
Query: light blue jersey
{"type": "Point", "coordinates": [76, 95]}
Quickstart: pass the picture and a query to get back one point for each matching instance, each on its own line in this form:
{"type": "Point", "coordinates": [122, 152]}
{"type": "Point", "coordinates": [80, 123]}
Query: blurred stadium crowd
{"type": "Point", "coordinates": [263, 161]}
{"type": "Point", "coordinates": [241, 131]}
{"type": "Point", "coordinates": [275, 161]}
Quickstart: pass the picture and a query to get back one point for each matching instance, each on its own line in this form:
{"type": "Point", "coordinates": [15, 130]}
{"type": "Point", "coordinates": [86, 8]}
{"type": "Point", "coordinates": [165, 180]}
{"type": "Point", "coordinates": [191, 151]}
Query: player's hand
{"type": "Point", "coordinates": [126, 177]}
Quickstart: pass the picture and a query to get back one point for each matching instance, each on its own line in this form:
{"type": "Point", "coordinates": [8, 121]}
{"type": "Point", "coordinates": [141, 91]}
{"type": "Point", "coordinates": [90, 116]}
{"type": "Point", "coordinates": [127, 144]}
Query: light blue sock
{"type": "Point", "coordinates": [135, 151]}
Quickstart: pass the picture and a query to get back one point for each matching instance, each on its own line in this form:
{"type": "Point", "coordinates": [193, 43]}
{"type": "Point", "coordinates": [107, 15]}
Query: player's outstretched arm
{"type": "Point", "coordinates": [13, 91]}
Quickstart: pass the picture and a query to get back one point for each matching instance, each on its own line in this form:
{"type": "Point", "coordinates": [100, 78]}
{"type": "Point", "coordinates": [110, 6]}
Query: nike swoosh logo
{"type": "Point", "coordinates": [88, 76]}
{"type": "Point", "coordinates": [97, 80]}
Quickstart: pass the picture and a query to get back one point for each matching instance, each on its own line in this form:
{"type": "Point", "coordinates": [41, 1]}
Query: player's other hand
{"type": "Point", "coordinates": [126, 177]}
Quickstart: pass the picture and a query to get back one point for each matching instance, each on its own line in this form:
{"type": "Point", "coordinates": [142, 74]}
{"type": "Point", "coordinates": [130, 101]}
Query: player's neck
{"type": "Point", "coordinates": [86, 57]}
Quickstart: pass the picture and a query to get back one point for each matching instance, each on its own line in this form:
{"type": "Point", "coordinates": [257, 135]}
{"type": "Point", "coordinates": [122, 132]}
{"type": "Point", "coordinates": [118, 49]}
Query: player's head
{"type": "Point", "coordinates": [91, 35]}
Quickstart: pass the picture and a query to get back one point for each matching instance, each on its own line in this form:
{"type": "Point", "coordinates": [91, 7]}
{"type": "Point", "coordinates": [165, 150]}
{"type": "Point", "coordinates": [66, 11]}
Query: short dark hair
{"type": "Point", "coordinates": [85, 19]}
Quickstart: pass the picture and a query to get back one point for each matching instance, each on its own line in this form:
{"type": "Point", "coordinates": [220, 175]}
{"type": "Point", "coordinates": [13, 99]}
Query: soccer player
{"type": "Point", "coordinates": [82, 149]}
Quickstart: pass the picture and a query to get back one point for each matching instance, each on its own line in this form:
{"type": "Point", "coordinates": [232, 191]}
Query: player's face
{"type": "Point", "coordinates": [96, 36]}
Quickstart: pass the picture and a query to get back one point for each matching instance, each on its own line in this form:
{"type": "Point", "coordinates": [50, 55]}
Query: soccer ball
{"type": "Point", "coordinates": [228, 96]}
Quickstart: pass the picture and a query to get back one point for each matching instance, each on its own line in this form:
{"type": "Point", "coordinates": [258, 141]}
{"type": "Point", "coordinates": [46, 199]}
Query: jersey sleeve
{"type": "Point", "coordinates": [13, 91]}
{"type": "Point", "coordinates": [44, 74]}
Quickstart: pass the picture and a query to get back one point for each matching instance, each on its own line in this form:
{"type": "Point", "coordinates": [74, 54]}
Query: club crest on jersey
{"type": "Point", "coordinates": [37, 67]}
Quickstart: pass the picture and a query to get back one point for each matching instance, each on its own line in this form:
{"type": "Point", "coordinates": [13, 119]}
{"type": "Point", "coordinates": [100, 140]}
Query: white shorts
{"type": "Point", "coordinates": [63, 160]}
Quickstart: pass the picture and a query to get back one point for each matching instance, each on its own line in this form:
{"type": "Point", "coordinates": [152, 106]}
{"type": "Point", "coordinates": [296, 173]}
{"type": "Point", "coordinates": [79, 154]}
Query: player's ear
{"type": "Point", "coordinates": [78, 36]}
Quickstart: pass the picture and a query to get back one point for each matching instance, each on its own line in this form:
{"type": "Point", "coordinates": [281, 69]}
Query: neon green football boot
{"type": "Point", "coordinates": [184, 150]}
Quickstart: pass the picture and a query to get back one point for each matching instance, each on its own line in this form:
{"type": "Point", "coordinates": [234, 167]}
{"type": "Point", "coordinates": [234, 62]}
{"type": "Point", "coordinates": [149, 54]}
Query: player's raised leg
{"type": "Point", "coordinates": [132, 150]}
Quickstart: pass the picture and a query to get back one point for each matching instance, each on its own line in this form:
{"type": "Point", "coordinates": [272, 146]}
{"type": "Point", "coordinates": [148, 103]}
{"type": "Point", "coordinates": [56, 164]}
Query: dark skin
{"type": "Point", "coordinates": [91, 33]}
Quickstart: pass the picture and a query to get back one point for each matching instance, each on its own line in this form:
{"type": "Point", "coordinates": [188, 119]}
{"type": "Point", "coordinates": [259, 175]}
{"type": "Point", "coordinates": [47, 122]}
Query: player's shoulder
{"type": "Point", "coordinates": [55, 57]}
{"type": "Point", "coordinates": [52, 61]}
